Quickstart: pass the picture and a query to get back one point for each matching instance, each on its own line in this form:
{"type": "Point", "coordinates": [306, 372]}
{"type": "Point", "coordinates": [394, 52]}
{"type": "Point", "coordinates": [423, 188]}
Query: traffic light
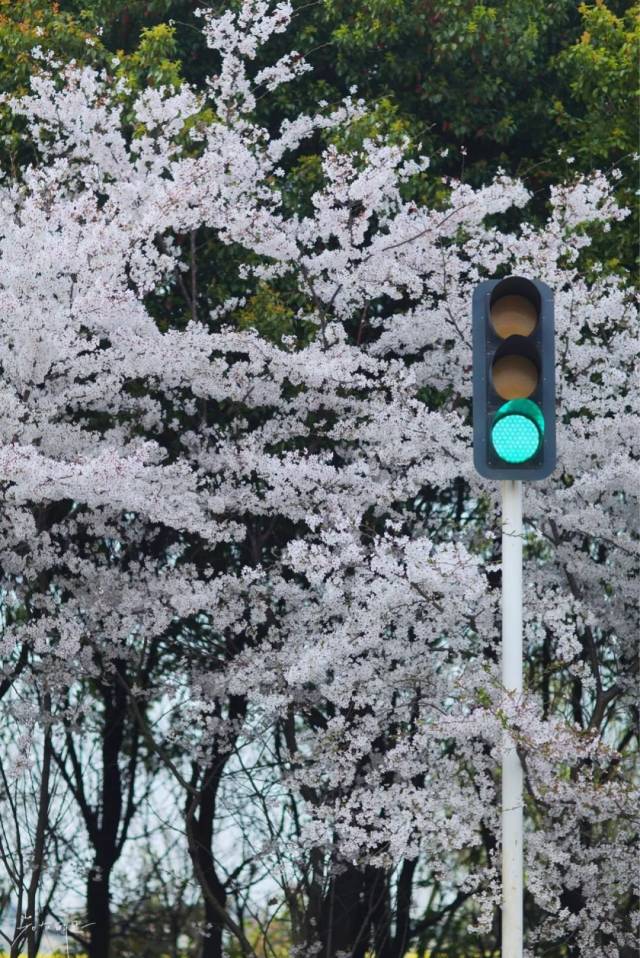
{"type": "Point", "coordinates": [514, 435]}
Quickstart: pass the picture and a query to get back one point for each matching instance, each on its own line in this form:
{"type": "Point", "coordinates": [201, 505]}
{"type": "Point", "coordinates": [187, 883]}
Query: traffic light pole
{"type": "Point", "coordinates": [512, 831]}
{"type": "Point", "coordinates": [514, 440]}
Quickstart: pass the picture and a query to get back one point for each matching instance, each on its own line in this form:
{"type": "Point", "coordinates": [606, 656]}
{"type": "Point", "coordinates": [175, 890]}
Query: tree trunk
{"type": "Point", "coordinates": [212, 944]}
{"type": "Point", "coordinates": [107, 820]}
{"type": "Point", "coordinates": [344, 920]}
{"type": "Point", "coordinates": [200, 835]}
{"type": "Point", "coordinates": [404, 889]}
{"type": "Point", "coordinates": [42, 826]}
{"type": "Point", "coordinates": [106, 840]}
{"type": "Point", "coordinates": [99, 912]}
{"type": "Point", "coordinates": [379, 910]}
{"type": "Point", "coordinates": [200, 815]}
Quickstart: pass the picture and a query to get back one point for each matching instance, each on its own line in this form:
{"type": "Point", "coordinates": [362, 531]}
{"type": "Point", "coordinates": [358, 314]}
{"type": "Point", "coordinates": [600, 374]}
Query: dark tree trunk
{"type": "Point", "coordinates": [200, 846]}
{"type": "Point", "coordinates": [212, 945]}
{"type": "Point", "coordinates": [42, 826]}
{"type": "Point", "coordinates": [379, 910]}
{"type": "Point", "coordinates": [106, 846]}
{"type": "Point", "coordinates": [99, 913]}
{"type": "Point", "coordinates": [107, 820]}
{"type": "Point", "coordinates": [403, 908]}
{"type": "Point", "coordinates": [200, 816]}
{"type": "Point", "coordinates": [344, 925]}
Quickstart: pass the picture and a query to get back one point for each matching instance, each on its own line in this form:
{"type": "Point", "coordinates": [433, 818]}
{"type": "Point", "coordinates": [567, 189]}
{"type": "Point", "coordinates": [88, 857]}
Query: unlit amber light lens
{"type": "Point", "coordinates": [513, 316]}
{"type": "Point", "coordinates": [514, 377]}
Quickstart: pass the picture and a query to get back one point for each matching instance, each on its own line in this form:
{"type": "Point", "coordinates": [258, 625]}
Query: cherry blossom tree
{"type": "Point", "coordinates": [279, 541]}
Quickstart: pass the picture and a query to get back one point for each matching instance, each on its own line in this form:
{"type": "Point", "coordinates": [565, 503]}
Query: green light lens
{"type": "Point", "coordinates": [515, 438]}
{"type": "Point", "coordinates": [517, 430]}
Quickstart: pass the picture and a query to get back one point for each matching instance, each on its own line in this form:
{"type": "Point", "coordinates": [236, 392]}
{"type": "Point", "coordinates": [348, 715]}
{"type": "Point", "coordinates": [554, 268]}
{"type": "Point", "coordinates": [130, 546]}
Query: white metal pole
{"type": "Point", "coordinates": [512, 832]}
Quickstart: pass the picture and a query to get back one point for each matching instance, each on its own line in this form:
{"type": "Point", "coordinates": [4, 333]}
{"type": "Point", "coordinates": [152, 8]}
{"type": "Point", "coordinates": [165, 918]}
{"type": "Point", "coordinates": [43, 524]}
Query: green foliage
{"type": "Point", "coordinates": [597, 116]}
{"type": "Point", "coordinates": [600, 110]}
{"type": "Point", "coordinates": [595, 113]}
{"type": "Point", "coordinates": [48, 954]}
{"type": "Point", "coordinates": [24, 26]}
{"type": "Point", "coordinates": [472, 72]}
{"type": "Point", "coordinates": [268, 312]}
{"type": "Point", "coordinates": [383, 118]}
{"type": "Point", "coordinates": [154, 62]}
{"type": "Point", "coordinates": [27, 24]}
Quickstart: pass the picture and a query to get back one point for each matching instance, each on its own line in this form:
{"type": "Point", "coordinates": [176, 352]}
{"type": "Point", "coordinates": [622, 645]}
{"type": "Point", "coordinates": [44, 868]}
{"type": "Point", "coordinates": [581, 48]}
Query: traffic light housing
{"type": "Point", "coordinates": [514, 435]}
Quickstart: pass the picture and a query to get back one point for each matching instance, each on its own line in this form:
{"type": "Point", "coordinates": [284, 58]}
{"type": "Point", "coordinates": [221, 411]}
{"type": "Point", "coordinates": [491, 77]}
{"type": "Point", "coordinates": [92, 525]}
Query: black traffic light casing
{"type": "Point", "coordinates": [522, 367]}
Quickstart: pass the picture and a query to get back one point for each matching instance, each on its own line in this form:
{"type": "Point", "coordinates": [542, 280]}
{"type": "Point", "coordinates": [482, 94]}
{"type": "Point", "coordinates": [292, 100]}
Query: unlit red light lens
{"type": "Point", "coordinates": [513, 316]}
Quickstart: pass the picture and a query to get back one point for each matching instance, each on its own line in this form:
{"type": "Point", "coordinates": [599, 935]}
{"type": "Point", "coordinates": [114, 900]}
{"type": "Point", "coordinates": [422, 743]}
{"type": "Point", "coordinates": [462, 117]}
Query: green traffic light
{"type": "Point", "coordinates": [517, 430]}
